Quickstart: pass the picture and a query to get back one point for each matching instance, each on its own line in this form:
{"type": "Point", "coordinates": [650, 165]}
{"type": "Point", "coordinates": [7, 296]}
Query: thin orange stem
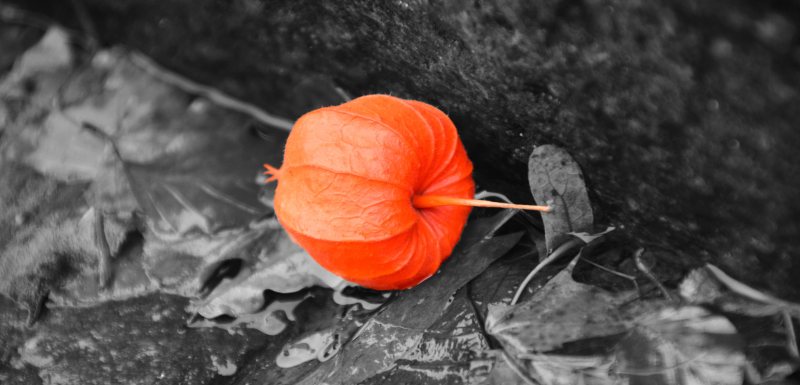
{"type": "Point", "coordinates": [427, 201]}
{"type": "Point", "coordinates": [273, 173]}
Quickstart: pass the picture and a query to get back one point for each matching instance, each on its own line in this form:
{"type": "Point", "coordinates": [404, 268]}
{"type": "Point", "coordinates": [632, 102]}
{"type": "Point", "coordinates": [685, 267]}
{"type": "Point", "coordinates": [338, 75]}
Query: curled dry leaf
{"type": "Point", "coordinates": [294, 271]}
{"type": "Point", "coordinates": [184, 265]}
{"type": "Point", "coordinates": [556, 180]}
{"type": "Point", "coordinates": [681, 345]}
{"type": "Point", "coordinates": [711, 286]}
{"type": "Point", "coordinates": [548, 369]}
{"type": "Point", "coordinates": [320, 345]}
{"type": "Point", "coordinates": [271, 320]}
{"type": "Point", "coordinates": [671, 346]}
{"type": "Point", "coordinates": [620, 342]}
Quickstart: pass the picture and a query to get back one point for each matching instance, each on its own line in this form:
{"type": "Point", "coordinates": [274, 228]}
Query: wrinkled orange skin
{"type": "Point", "coordinates": [347, 181]}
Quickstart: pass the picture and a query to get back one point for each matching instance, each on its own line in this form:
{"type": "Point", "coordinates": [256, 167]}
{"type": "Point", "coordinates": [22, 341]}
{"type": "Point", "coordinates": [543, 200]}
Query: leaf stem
{"type": "Point", "coordinates": [637, 259]}
{"type": "Point", "coordinates": [560, 251]}
{"type": "Point", "coordinates": [518, 370]}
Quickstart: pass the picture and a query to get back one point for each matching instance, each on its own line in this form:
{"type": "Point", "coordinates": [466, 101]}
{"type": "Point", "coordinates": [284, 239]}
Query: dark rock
{"type": "Point", "coordinates": [139, 341]}
{"type": "Point", "coordinates": [682, 114]}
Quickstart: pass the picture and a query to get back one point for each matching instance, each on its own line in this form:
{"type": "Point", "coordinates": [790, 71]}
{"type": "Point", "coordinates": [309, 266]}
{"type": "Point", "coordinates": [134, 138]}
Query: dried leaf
{"type": "Point", "coordinates": [683, 345]}
{"type": "Point", "coordinates": [51, 54]}
{"type": "Point", "coordinates": [46, 66]}
{"type": "Point", "coordinates": [183, 265]}
{"type": "Point", "coordinates": [556, 180]}
{"type": "Point", "coordinates": [140, 144]}
{"type": "Point", "coordinates": [271, 320]}
{"type": "Point", "coordinates": [642, 341]}
{"type": "Point", "coordinates": [293, 271]}
{"type": "Point", "coordinates": [135, 143]}
{"type": "Point", "coordinates": [552, 369]}
{"type": "Point", "coordinates": [320, 345]}
{"type": "Point", "coordinates": [710, 286]}
{"type": "Point", "coordinates": [562, 311]}
{"type": "Point", "coordinates": [443, 353]}
{"type": "Point", "coordinates": [670, 346]}
{"type": "Point", "coordinates": [399, 327]}
{"type": "Point", "coordinates": [47, 237]}
{"type": "Point", "coordinates": [500, 281]}
{"type": "Point", "coordinates": [130, 279]}
{"type": "Point", "coordinates": [191, 165]}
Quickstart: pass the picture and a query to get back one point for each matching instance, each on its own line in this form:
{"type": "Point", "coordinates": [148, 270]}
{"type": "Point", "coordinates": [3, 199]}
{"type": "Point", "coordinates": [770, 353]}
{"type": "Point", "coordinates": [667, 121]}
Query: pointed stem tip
{"type": "Point", "coordinates": [427, 201]}
{"type": "Point", "coordinates": [273, 173]}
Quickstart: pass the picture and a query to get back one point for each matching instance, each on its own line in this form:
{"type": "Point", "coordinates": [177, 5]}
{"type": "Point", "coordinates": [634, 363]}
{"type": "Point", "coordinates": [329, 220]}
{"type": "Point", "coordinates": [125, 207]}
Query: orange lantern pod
{"type": "Point", "coordinates": [377, 190]}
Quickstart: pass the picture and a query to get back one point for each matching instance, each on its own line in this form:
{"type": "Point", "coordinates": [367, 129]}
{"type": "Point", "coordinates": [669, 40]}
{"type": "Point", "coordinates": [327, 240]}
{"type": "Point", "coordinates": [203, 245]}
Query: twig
{"type": "Point", "coordinates": [101, 242]}
{"type": "Point", "coordinates": [9, 14]}
{"type": "Point", "coordinates": [749, 292]}
{"type": "Point", "coordinates": [558, 253]}
{"type": "Point", "coordinates": [617, 273]}
{"type": "Point", "coordinates": [211, 93]}
{"type": "Point", "coordinates": [791, 337]}
{"type": "Point", "coordinates": [637, 258]}
{"type": "Point", "coordinates": [507, 214]}
{"type": "Point", "coordinates": [100, 134]}
{"type": "Point", "coordinates": [343, 94]}
{"type": "Point", "coordinates": [479, 316]}
{"type": "Point", "coordinates": [193, 318]}
{"type": "Point", "coordinates": [515, 367]}
{"type": "Point", "coordinates": [35, 310]}
{"type": "Point", "coordinates": [86, 23]}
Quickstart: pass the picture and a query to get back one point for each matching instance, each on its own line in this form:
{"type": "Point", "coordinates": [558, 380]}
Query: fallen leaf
{"type": "Point", "coordinates": [399, 327]}
{"type": "Point", "coordinates": [711, 286]}
{"type": "Point", "coordinates": [130, 279]}
{"type": "Point", "coordinates": [183, 265]}
{"type": "Point", "coordinates": [321, 346]}
{"type": "Point", "coordinates": [46, 67]}
{"type": "Point", "coordinates": [142, 145]}
{"type": "Point", "coordinates": [15, 39]}
{"type": "Point", "coordinates": [551, 369]}
{"type": "Point", "coordinates": [318, 314]}
{"type": "Point", "coordinates": [670, 346]}
{"type": "Point", "coordinates": [615, 341]}
{"type": "Point", "coordinates": [270, 320]}
{"type": "Point", "coordinates": [444, 352]}
{"type": "Point", "coordinates": [681, 345]}
{"type": "Point", "coordinates": [500, 280]}
{"type": "Point", "coordinates": [52, 53]}
{"type": "Point", "coordinates": [293, 271]}
{"type": "Point", "coordinates": [47, 236]}
{"type": "Point", "coordinates": [191, 165]}
{"type": "Point", "coordinates": [560, 312]}
{"type": "Point", "coordinates": [556, 180]}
